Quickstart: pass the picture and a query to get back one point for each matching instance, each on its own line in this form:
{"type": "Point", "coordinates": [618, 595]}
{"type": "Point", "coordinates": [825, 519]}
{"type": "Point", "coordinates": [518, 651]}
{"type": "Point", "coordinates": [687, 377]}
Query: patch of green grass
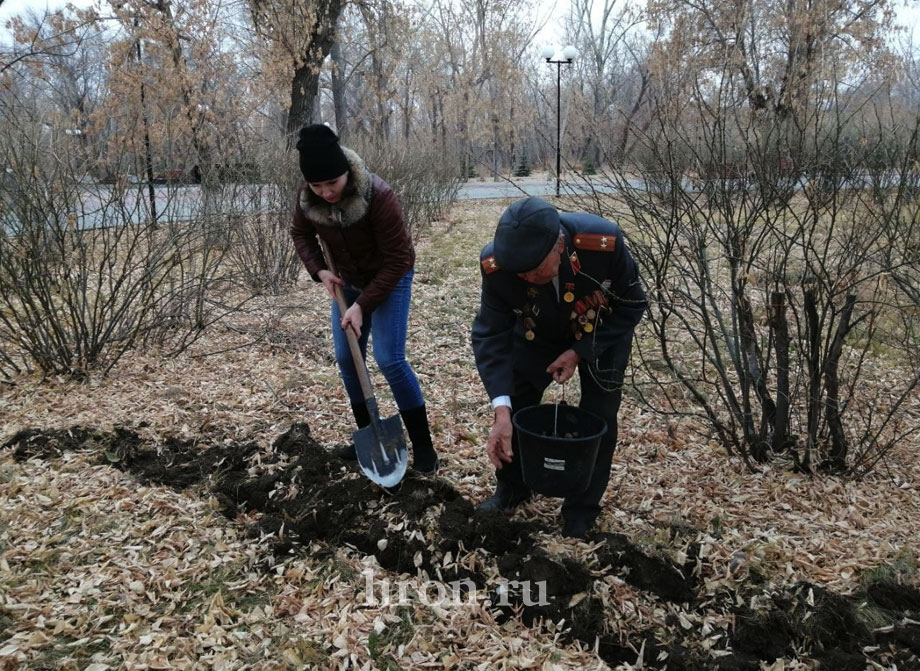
{"type": "Point", "coordinates": [715, 526]}
{"type": "Point", "coordinates": [246, 602]}
{"type": "Point", "coordinates": [211, 584]}
{"type": "Point", "coordinates": [93, 647]}
{"type": "Point", "coordinates": [206, 589]}
{"type": "Point", "coordinates": [873, 617]}
{"type": "Point", "coordinates": [888, 579]}
{"type": "Point", "coordinates": [434, 272]}
{"type": "Point", "coordinates": [43, 562]}
{"type": "Point", "coordinates": [392, 637]}
{"type": "Point", "coordinates": [60, 653]}
{"type": "Point", "coordinates": [901, 569]}
{"type": "Point", "coordinates": [7, 622]}
{"type": "Point", "coordinates": [337, 567]}
{"type": "Point", "coordinates": [307, 654]}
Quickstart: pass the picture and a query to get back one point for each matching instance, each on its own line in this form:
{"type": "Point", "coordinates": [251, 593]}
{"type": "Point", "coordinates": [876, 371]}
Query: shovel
{"type": "Point", "coordinates": [380, 446]}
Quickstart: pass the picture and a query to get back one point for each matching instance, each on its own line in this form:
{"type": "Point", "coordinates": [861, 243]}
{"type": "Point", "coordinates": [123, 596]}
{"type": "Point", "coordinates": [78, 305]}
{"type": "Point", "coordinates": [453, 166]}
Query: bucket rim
{"type": "Point", "coordinates": [561, 439]}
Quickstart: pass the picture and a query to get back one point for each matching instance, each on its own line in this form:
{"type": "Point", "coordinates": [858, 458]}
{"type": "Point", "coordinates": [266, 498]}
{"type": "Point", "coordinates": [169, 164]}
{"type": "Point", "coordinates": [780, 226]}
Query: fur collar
{"type": "Point", "coordinates": [354, 204]}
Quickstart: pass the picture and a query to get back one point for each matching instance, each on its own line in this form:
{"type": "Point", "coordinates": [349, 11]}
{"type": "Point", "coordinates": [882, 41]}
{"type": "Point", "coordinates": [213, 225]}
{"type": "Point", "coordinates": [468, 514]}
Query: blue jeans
{"type": "Point", "coordinates": [388, 325]}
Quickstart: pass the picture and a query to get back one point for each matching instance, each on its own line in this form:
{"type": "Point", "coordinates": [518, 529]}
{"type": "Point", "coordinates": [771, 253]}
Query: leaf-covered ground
{"type": "Point", "coordinates": [189, 513]}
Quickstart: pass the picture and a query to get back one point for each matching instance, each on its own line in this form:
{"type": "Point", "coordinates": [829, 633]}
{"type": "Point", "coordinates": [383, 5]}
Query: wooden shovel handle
{"type": "Point", "coordinates": [360, 366]}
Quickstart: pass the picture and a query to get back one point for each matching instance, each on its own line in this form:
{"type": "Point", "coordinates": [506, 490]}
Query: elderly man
{"type": "Point", "coordinates": [560, 292]}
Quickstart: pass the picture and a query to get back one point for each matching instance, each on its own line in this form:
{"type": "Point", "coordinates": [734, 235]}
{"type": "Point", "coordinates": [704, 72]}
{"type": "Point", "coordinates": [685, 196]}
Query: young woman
{"type": "Point", "coordinates": [360, 219]}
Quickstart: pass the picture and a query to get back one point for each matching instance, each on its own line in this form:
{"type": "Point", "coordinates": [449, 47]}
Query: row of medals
{"type": "Point", "coordinates": [583, 315]}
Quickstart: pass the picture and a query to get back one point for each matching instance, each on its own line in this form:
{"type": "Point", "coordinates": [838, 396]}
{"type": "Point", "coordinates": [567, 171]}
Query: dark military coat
{"type": "Point", "coordinates": [522, 328]}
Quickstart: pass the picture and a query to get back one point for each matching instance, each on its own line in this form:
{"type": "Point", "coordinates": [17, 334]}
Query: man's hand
{"type": "Point", "coordinates": [563, 368]}
{"type": "Point", "coordinates": [499, 446]}
{"type": "Point", "coordinates": [329, 281]}
{"type": "Point", "coordinates": [354, 318]}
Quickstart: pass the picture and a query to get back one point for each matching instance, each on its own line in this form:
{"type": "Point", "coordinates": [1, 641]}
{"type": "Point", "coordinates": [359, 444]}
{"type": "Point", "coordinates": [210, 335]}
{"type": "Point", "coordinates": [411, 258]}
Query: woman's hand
{"type": "Point", "coordinates": [353, 318]}
{"type": "Point", "coordinates": [329, 281]}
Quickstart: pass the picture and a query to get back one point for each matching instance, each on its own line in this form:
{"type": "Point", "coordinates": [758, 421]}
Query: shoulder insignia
{"type": "Point", "coordinates": [595, 242]}
{"type": "Point", "coordinates": [488, 265]}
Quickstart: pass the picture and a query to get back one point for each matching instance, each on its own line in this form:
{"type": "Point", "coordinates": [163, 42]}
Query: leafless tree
{"type": "Point", "coordinates": [300, 35]}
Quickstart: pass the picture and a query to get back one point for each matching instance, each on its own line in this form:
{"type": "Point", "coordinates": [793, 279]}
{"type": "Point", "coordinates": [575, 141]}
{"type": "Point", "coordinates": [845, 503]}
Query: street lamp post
{"type": "Point", "coordinates": [568, 55]}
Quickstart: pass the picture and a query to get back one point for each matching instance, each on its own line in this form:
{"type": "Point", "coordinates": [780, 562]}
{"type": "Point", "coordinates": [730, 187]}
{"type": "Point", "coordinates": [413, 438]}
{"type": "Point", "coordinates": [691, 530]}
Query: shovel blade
{"type": "Point", "coordinates": [382, 451]}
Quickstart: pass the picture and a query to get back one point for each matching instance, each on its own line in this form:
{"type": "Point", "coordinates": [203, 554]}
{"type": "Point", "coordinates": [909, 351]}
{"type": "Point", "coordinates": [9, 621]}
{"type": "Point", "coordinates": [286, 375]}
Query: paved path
{"type": "Point", "coordinates": [183, 202]}
{"type": "Point", "coordinates": [539, 187]}
{"type": "Point", "coordinates": [505, 189]}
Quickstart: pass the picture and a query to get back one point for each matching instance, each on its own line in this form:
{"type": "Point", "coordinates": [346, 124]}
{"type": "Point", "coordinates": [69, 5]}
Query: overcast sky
{"type": "Point", "coordinates": [12, 7]}
{"type": "Point", "coordinates": [908, 14]}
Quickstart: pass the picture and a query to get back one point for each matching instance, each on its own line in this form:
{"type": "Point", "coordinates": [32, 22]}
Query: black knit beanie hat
{"type": "Point", "coordinates": [321, 157]}
{"type": "Point", "coordinates": [525, 234]}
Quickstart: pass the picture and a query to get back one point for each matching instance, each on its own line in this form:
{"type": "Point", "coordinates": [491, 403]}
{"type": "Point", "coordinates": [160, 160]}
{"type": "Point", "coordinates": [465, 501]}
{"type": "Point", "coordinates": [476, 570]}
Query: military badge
{"type": "Point", "coordinates": [528, 314]}
{"type": "Point", "coordinates": [569, 294]}
{"type": "Point", "coordinates": [575, 263]}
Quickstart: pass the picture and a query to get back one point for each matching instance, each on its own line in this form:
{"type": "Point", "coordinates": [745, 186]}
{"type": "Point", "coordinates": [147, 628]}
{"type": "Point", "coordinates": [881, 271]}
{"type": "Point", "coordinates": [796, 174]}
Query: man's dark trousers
{"type": "Point", "coordinates": [603, 400]}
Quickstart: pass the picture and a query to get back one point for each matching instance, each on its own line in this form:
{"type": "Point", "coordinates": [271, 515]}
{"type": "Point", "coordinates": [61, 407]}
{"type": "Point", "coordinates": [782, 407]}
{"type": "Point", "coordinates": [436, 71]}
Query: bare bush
{"type": "Point", "coordinates": [257, 203]}
{"type": "Point", "coordinates": [425, 181]}
{"type": "Point", "coordinates": [779, 260]}
{"type": "Point", "coordinates": [85, 274]}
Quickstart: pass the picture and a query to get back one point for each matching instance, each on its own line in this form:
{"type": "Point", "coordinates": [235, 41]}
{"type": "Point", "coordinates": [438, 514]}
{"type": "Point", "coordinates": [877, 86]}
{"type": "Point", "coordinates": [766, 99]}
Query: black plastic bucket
{"type": "Point", "coordinates": [556, 465]}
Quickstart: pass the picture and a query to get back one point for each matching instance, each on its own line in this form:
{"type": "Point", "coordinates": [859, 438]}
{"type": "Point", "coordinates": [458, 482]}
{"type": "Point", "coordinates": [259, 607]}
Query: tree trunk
{"type": "Point", "coordinates": [304, 87]}
{"type": "Point", "coordinates": [338, 91]}
{"type": "Point", "coordinates": [839, 447]}
{"type": "Point", "coordinates": [202, 170]}
{"type": "Point", "coordinates": [780, 327]}
{"type": "Point", "coordinates": [631, 116]}
{"type": "Point", "coordinates": [148, 152]}
{"type": "Point", "coordinates": [496, 144]}
{"type": "Point", "coordinates": [318, 21]}
{"type": "Point", "coordinates": [407, 106]}
{"type": "Point", "coordinates": [442, 122]}
{"type": "Point", "coordinates": [813, 359]}
{"type": "Point", "coordinates": [750, 357]}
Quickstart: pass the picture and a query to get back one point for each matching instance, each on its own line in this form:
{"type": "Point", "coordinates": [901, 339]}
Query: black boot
{"type": "Point", "coordinates": [424, 457]}
{"type": "Point", "coordinates": [505, 498]}
{"type": "Point", "coordinates": [576, 528]}
{"type": "Point", "coordinates": [362, 419]}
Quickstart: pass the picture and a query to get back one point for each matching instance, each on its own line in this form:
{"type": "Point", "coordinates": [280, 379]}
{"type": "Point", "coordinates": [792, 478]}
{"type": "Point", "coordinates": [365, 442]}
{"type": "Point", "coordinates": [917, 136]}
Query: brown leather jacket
{"type": "Point", "coordinates": [365, 234]}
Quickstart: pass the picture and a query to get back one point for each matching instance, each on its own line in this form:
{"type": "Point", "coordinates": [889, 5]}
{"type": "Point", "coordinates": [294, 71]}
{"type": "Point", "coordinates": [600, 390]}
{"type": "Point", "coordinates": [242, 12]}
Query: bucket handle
{"type": "Point", "coordinates": [556, 411]}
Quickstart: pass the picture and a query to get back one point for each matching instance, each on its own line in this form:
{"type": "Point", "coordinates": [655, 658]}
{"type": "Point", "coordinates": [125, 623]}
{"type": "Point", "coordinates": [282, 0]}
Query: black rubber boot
{"type": "Point", "coordinates": [424, 457]}
{"type": "Point", "coordinates": [362, 419]}
{"type": "Point", "coordinates": [576, 528]}
{"type": "Point", "coordinates": [505, 499]}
